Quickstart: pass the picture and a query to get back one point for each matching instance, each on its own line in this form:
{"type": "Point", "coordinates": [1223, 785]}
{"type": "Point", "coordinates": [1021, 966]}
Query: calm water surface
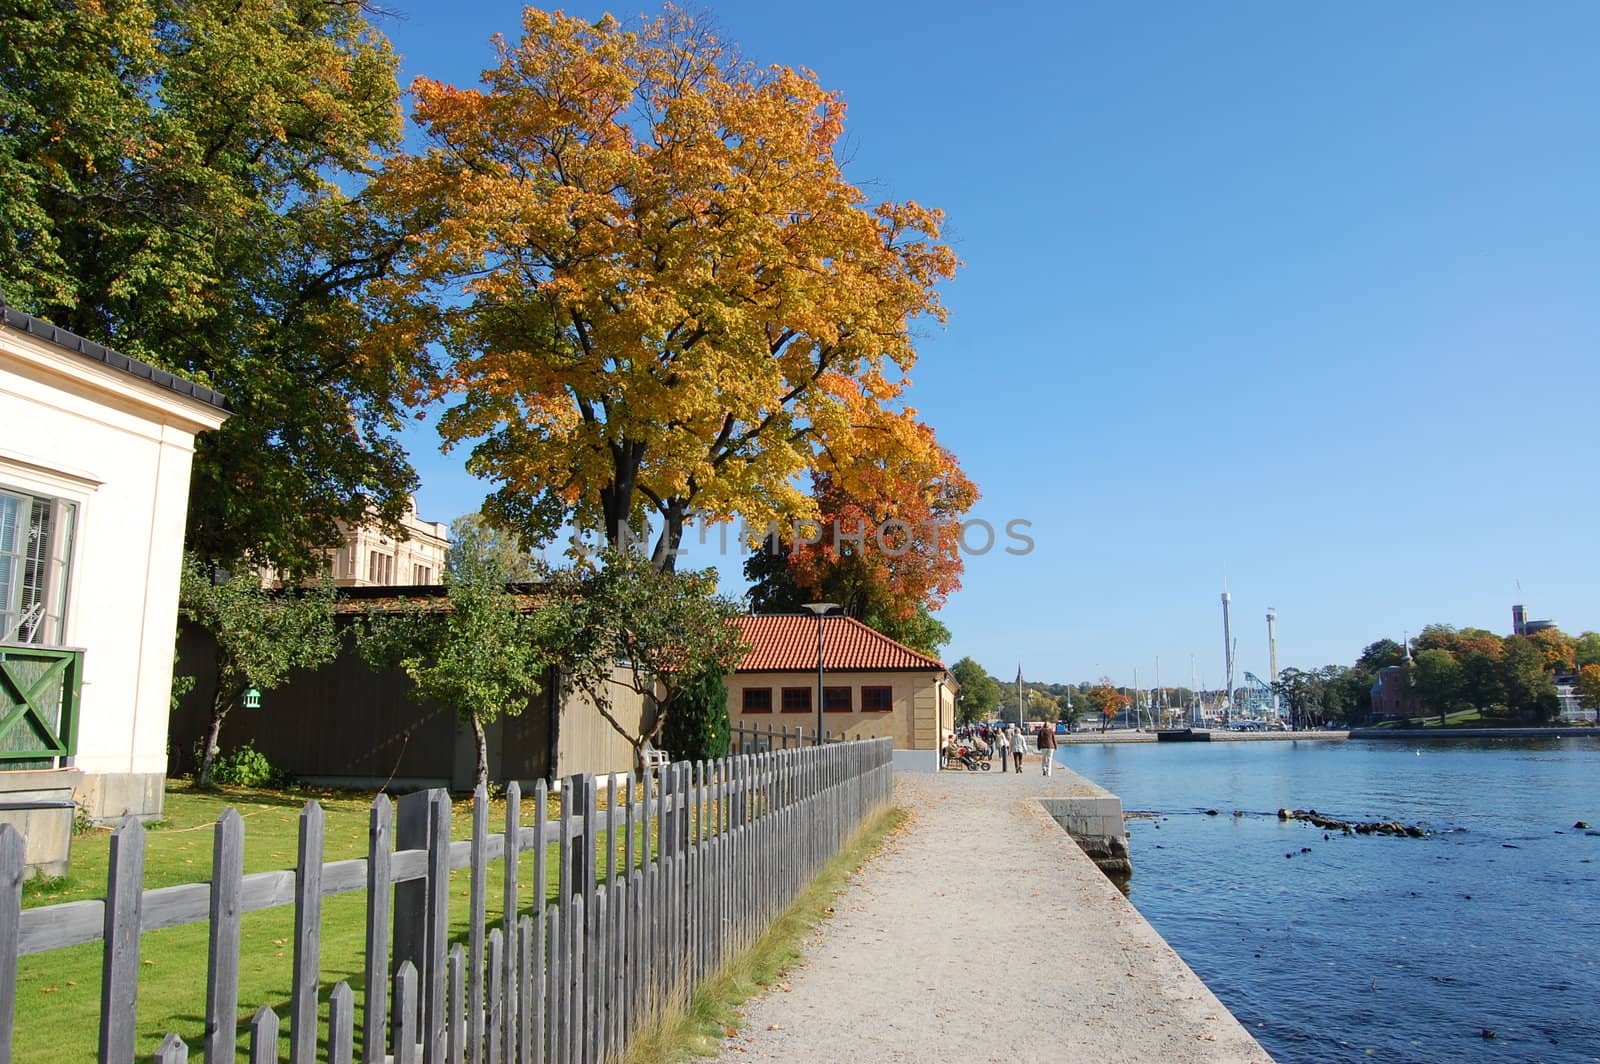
{"type": "Point", "coordinates": [1370, 948]}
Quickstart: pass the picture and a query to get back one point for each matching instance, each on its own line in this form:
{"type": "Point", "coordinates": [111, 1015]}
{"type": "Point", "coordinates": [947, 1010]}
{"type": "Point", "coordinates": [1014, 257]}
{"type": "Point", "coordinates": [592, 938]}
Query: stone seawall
{"type": "Point", "coordinates": [1476, 733]}
{"type": "Point", "coordinates": [1095, 823]}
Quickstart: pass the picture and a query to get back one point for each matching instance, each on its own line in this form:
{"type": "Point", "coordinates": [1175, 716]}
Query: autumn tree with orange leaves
{"type": "Point", "coordinates": [886, 544]}
{"type": "Point", "coordinates": [1106, 700]}
{"type": "Point", "coordinates": [657, 292]}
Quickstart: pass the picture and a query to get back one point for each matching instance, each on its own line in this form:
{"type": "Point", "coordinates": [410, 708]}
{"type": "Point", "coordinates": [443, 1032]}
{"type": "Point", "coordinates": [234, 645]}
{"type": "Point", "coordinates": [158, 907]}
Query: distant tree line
{"type": "Point", "coordinates": [1449, 670]}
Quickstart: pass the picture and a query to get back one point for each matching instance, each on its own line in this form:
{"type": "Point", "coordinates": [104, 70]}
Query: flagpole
{"type": "Point", "coordinates": [1019, 696]}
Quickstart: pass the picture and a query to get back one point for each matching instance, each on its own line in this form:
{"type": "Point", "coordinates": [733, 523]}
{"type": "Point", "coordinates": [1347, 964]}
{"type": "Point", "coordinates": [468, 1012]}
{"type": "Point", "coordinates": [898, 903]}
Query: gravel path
{"type": "Point", "coordinates": [937, 932]}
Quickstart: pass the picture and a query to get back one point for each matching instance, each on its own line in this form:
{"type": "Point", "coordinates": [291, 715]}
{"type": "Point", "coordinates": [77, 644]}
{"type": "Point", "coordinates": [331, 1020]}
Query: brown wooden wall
{"type": "Point", "coordinates": [345, 724]}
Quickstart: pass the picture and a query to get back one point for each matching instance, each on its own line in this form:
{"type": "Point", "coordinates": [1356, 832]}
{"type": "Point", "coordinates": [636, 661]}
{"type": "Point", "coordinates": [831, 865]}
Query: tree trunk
{"type": "Point", "coordinates": [665, 555]}
{"type": "Point", "coordinates": [616, 499]}
{"type": "Point", "coordinates": [481, 741]}
{"type": "Point", "coordinates": [208, 756]}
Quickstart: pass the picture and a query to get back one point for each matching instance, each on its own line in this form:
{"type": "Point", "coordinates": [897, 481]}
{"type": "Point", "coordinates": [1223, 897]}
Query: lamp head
{"type": "Point", "coordinates": [820, 608]}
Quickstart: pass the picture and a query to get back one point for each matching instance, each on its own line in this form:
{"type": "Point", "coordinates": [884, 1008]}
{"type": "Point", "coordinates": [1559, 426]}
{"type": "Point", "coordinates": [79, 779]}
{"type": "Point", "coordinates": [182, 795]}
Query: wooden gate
{"type": "Point", "coordinates": [39, 690]}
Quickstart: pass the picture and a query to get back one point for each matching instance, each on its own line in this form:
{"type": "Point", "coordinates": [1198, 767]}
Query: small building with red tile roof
{"type": "Point", "coordinates": [872, 686]}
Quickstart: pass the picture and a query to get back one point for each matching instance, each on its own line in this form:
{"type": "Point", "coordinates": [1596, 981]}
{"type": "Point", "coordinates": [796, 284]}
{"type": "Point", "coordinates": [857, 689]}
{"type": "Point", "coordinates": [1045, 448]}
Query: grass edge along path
{"type": "Point", "coordinates": [713, 1011]}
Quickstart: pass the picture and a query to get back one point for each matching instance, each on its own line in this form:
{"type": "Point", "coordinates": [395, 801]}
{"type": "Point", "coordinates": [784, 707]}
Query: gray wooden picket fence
{"type": "Point", "coordinates": [702, 857]}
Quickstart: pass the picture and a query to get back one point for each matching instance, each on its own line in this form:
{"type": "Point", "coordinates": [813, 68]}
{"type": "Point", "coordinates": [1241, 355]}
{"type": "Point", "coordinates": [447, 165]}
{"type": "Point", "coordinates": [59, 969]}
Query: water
{"type": "Point", "coordinates": [1375, 948]}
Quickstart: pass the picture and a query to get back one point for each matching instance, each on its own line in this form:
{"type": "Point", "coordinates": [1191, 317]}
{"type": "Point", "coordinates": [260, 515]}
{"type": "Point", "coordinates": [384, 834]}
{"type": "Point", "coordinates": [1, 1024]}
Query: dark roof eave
{"type": "Point", "coordinates": [67, 341]}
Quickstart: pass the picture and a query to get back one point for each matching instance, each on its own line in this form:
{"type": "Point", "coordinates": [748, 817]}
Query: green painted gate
{"type": "Point", "coordinates": [39, 691]}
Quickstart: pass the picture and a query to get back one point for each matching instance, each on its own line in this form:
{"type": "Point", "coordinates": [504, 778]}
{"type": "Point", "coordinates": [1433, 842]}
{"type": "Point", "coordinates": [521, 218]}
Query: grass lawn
{"type": "Point", "coordinates": [58, 993]}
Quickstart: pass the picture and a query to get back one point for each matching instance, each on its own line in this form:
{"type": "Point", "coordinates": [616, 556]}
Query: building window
{"type": "Point", "coordinates": [797, 700]}
{"type": "Point", "coordinates": [836, 700]}
{"type": "Point", "coordinates": [35, 553]}
{"type": "Point", "coordinates": [758, 700]}
{"type": "Point", "coordinates": [877, 699]}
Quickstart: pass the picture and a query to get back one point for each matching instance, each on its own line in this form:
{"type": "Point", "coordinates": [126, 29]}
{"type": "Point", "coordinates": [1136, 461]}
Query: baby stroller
{"type": "Point", "coordinates": [966, 755]}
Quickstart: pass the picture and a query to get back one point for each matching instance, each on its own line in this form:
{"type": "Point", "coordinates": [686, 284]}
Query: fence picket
{"type": "Point", "coordinates": [526, 1033]}
{"type": "Point", "coordinates": [555, 1012]}
{"type": "Point", "coordinates": [341, 1024]}
{"type": "Point", "coordinates": [512, 1001]}
{"type": "Point", "coordinates": [222, 951]}
{"type": "Point", "coordinates": [12, 869]}
{"type": "Point", "coordinates": [173, 1050]}
{"type": "Point", "coordinates": [438, 928]}
{"type": "Point", "coordinates": [119, 980]}
{"type": "Point", "coordinates": [541, 947]}
{"type": "Point", "coordinates": [376, 984]}
{"type": "Point", "coordinates": [405, 1010]}
{"type": "Point", "coordinates": [595, 983]}
{"type": "Point", "coordinates": [456, 1005]}
{"type": "Point", "coordinates": [264, 1036]}
{"type": "Point", "coordinates": [495, 1034]}
{"type": "Point", "coordinates": [574, 981]}
{"type": "Point", "coordinates": [476, 917]}
{"type": "Point", "coordinates": [307, 937]}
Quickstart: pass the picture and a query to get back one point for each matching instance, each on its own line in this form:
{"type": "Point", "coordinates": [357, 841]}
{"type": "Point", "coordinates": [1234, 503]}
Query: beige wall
{"type": "Point", "coordinates": [919, 698]}
{"type": "Point", "coordinates": [119, 448]}
{"type": "Point", "coordinates": [587, 742]}
{"type": "Point", "coordinates": [369, 557]}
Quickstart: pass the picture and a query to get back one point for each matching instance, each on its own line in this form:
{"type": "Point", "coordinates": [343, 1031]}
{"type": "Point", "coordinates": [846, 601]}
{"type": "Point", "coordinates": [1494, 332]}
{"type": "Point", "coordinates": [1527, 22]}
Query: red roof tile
{"type": "Point", "coordinates": [787, 642]}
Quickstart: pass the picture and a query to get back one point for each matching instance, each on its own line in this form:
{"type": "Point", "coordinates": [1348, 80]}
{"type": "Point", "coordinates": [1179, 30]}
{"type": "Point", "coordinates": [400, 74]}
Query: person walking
{"type": "Point", "coordinates": [1002, 746]}
{"type": "Point", "coordinates": [1047, 745]}
{"type": "Point", "coordinates": [1018, 737]}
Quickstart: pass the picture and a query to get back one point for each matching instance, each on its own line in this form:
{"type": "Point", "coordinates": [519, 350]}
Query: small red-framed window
{"type": "Point", "coordinates": [757, 700]}
{"type": "Point", "coordinates": [877, 699]}
{"type": "Point", "coordinates": [837, 700]}
{"type": "Point", "coordinates": [797, 700]}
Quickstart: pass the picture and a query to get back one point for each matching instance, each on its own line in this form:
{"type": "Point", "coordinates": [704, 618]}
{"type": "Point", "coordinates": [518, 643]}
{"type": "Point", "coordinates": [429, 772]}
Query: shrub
{"type": "Point", "coordinates": [697, 725]}
{"type": "Point", "coordinates": [244, 767]}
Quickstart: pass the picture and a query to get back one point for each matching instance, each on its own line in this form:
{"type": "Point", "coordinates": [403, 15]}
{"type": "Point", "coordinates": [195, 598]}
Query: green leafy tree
{"type": "Point", "coordinates": [1589, 687]}
{"type": "Point", "coordinates": [260, 636]}
{"type": "Point", "coordinates": [476, 651]}
{"type": "Point", "coordinates": [1300, 693]}
{"type": "Point", "coordinates": [1586, 649]}
{"type": "Point", "coordinates": [1380, 655]}
{"type": "Point", "coordinates": [697, 726]}
{"type": "Point", "coordinates": [1530, 692]}
{"type": "Point", "coordinates": [477, 544]}
{"type": "Point", "coordinates": [977, 693]}
{"type": "Point", "coordinates": [665, 628]}
{"type": "Point", "coordinates": [183, 180]}
{"type": "Point", "coordinates": [1439, 681]}
{"type": "Point", "coordinates": [1481, 680]}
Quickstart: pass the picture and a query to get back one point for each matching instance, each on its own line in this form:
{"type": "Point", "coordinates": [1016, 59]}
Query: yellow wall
{"type": "Point", "coordinates": [920, 699]}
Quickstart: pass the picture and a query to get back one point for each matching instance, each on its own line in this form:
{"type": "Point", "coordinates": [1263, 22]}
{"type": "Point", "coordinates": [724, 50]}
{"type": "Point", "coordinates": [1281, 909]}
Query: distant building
{"type": "Point", "coordinates": [370, 557]}
{"type": "Point", "coordinates": [1567, 694]}
{"type": "Point", "coordinates": [1520, 625]}
{"type": "Point", "coordinates": [1391, 694]}
{"type": "Point", "coordinates": [872, 686]}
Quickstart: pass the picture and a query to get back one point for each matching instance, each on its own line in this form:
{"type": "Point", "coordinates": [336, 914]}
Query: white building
{"type": "Point", "coordinates": [95, 453]}
{"type": "Point", "coordinates": [371, 557]}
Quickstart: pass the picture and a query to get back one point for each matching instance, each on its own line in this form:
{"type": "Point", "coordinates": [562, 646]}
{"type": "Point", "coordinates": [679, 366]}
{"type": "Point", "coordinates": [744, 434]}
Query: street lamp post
{"type": "Point", "coordinates": [820, 609]}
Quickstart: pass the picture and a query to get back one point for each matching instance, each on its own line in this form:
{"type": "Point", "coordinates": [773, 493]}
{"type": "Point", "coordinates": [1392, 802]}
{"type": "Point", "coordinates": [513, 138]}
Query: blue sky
{"type": "Point", "coordinates": [1306, 295]}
